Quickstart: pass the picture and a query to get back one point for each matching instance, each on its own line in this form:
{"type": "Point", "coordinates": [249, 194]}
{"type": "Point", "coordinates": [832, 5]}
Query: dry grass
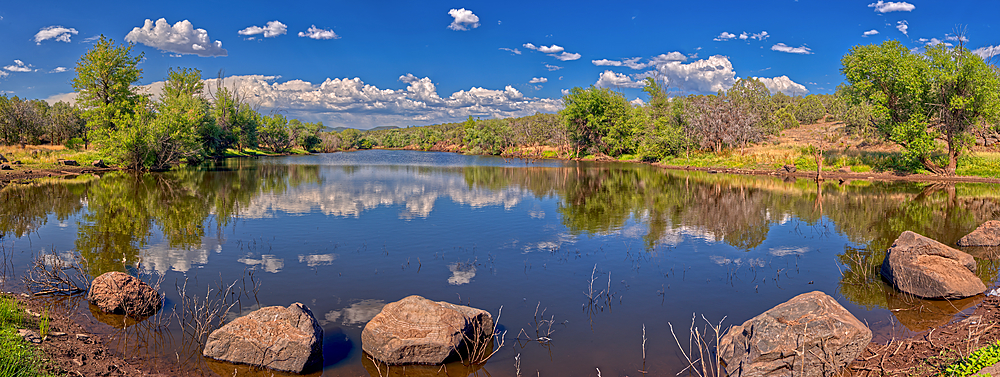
{"type": "Point", "coordinates": [46, 156]}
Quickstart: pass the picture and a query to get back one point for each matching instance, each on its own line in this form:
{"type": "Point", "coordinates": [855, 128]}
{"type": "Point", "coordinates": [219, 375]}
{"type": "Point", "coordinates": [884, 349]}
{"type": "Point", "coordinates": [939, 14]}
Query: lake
{"type": "Point", "coordinates": [591, 262]}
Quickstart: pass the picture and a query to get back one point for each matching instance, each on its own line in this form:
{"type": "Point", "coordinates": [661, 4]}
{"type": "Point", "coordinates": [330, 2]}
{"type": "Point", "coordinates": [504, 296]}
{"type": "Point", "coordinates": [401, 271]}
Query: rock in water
{"type": "Point", "coordinates": [416, 330]}
{"type": "Point", "coordinates": [926, 268]}
{"type": "Point", "coordinates": [286, 339]}
{"type": "Point", "coordinates": [119, 293]}
{"type": "Point", "coordinates": [809, 335]}
{"type": "Point", "coordinates": [987, 234]}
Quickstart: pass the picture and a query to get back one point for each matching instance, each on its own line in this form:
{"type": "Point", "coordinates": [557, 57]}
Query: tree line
{"type": "Point", "coordinates": [929, 103]}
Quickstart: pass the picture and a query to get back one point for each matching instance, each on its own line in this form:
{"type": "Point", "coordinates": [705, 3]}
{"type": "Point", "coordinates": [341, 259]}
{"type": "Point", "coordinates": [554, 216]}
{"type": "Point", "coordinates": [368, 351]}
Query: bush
{"type": "Point", "coordinates": [75, 144]}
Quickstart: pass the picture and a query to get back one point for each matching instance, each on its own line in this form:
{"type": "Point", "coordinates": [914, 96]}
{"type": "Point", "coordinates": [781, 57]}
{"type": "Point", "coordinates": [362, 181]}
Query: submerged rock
{"type": "Point", "coordinates": [416, 330]}
{"type": "Point", "coordinates": [120, 293]}
{"type": "Point", "coordinates": [987, 234]}
{"type": "Point", "coordinates": [286, 339]}
{"type": "Point", "coordinates": [809, 335]}
{"type": "Point", "coordinates": [926, 268]}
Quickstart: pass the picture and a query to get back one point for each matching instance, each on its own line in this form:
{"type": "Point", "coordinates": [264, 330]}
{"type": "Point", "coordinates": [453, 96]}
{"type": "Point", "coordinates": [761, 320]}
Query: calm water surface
{"type": "Point", "coordinates": [608, 253]}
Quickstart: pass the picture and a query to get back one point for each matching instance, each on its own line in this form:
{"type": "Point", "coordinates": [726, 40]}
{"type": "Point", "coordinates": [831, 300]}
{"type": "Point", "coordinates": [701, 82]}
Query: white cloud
{"type": "Point", "coordinates": [637, 102]}
{"type": "Point", "coordinates": [59, 33]}
{"type": "Point", "coordinates": [511, 50]}
{"type": "Point", "coordinates": [271, 29]}
{"type": "Point", "coordinates": [725, 36]}
{"type": "Point", "coordinates": [634, 63]}
{"type": "Point", "coordinates": [538, 80]}
{"type": "Point", "coordinates": [870, 33]}
{"type": "Point", "coordinates": [886, 7]}
{"type": "Point", "coordinates": [702, 76]}
{"type": "Point", "coordinates": [902, 26]}
{"type": "Point", "coordinates": [609, 79]}
{"type": "Point", "coordinates": [934, 41]}
{"type": "Point", "coordinates": [564, 91]}
{"type": "Point", "coordinates": [181, 38]}
{"type": "Point", "coordinates": [2, 73]}
{"type": "Point", "coordinates": [987, 52]}
{"type": "Point", "coordinates": [955, 38]}
{"type": "Point", "coordinates": [566, 56]}
{"type": "Point", "coordinates": [606, 62]}
{"type": "Point", "coordinates": [19, 66]}
{"type": "Point", "coordinates": [464, 20]}
{"type": "Point", "coordinates": [666, 58]}
{"type": "Point", "coordinates": [744, 35]}
{"type": "Point", "coordinates": [551, 67]}
{"type": "Point", "coordinates": [758, 36]}
{"type": "Point", "coordinates": [317, 33]}
{"type": "Point", "coordinates": [791, 50]}
{"type": "Point", "coordinates": [783, 84]}
{"type": "Point", "coordinates": [553, 49]}
{"type": "Point", "coordinates": [59, 70]}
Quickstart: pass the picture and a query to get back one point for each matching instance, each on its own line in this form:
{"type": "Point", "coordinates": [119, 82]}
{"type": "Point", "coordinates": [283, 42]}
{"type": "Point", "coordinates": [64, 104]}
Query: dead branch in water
{"type": "Point", "coordinates": [51, 273]}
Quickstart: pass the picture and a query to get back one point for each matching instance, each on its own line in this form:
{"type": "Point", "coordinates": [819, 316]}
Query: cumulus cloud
{"type": "Point", "coordinates": [725, 36]}
{"type": "Point", "coordinates": [870, 33]}
{"type": "Point", "coordinates": [933, 42]}
{"type": "Point", "coordinates": [551, 67]}
{"type": "Point", "coordinates": [181, 38]}
{"type": "Point", "coordinates": [631, 62]}
{"type": "Point", "coordinates": [19, 66]}
{"type": "Point", "coordinates": [271, 29]}
{"type": "Point", "coordinates": [791, 50]}
{"type": "Point", "coordinates": [317, 33]}
{"type": "Point", "coordinates": [783, 84]}
{"type": "Point", "coordinates": [511, 50]}
{"type": "Point", "coordinates": [59, 70]}
{"type": "Point", "coordinates": [59, 33]}
{"type": "Point", "coordinates": [553, 49]}
{"type": "Point", "coordinates": [889, 6]}
{"type": "Point", "coordinates": [667, 58]}
{"type": "Point", "coordinates": [702, 76]}
{"type": "Point", "coordinates": [609, 79]}
{"type": "Point", "coordinates": [538, 80]}
{"type": "Point", "coordinates": [902, 26]}
{"type": "Point", "coordinates": [987, 52]}
{"type": "Point", "coordinates": [2, 74]}
{"type": "Point", "coordinates": [464, 20]}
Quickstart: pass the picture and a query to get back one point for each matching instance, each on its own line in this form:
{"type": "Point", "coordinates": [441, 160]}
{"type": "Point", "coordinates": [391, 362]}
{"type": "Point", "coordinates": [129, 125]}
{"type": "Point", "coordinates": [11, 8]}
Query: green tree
{"type": "Point", "coordinates": [275, 133]}
{"type": "Point", "coordinates": [182, 120]}
{"type": "Point", "coordinates": [103, 83]}
{"type": "Point", "coordinates": [20, 122]}
{"type": "Point", "coordinates": [941, 94]}
{"type": "Point", "coordinates": [601, 120]}
{"type": "Point", "coordinates": [809, 109]}
{"type": "Point", "coordinates": [65, 122]}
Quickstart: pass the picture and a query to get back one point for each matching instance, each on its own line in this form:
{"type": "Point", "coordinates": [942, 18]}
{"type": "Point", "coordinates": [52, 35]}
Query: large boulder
{"type": "Point", "coordinates": [987, 234]}
{"type": "Point", "coordinates": [119, 293]}
{"type": "Point", "coordinates": [926, 268]}
{"type": "Point", "coordinates": [809, 335]}
{"type": "Point", "coordinates": [286, 339]}
{"type": "Point", "coordinates": [416, 330]}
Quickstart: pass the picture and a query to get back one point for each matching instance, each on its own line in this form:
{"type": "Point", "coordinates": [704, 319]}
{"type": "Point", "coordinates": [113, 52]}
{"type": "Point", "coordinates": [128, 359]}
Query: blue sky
{"type": "Point", "coordinates": [364, 64]}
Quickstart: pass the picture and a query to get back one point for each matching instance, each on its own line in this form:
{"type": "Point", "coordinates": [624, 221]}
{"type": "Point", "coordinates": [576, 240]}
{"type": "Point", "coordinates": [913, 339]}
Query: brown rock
{"type": "Point", "coordinates": [844, 169]}
{"type": "Point", "coordinates": [987, 234]}
{"type": "Point", "coordinates": [119, 293]}
{"type": "Point", "coordinates": [926, 268]}
{"type": "Point", "coordinates": [416, 330]}
{"type": "Point", "coordinates": [99, 164]}
{"type": "Point", "coordinates": [809, 335]}
{"type": "Point", "coordinates": [286, 339]}
{"type": "Point", "coordinates": [789, 168]}
{"type": "Point", "coordinates": [6, 167]}
{"type": "Point", "coordinates": [69, 162]}
{"type": "Point", "coordinates": [2, 158]}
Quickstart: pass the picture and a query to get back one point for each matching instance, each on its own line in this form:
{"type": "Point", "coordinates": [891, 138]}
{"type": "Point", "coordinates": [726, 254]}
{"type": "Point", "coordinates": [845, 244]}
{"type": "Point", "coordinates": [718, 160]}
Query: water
{"type": "Point", "coordinates": [586, 259]}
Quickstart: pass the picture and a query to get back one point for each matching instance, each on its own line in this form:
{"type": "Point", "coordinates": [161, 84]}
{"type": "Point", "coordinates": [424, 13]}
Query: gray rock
{"type": "Point", "coordinates": [2, 158]}
{"type": "Point", "coordinates": [926, 268]}
{"type": "Point", "coordinates": [285, 339]}
{"type": "Point", "coordinates": [120, 293]}
{"type": "Point", "coordinates": [416, 330]}
{"type": "Point", "coordinates": [789, 168]}
{"type": "Point", "coordinates": [809, 335]}
{"type": "Point", "coordinates": [29, 336]}
{"type": "Point", "coordinates": [99, 164]}
{"type": "Point", "coordinates": [6, 167]}
{"type": "Point", "coordinates": [987, 234]}
{"type": "Point", "coordinates": [69, 162]}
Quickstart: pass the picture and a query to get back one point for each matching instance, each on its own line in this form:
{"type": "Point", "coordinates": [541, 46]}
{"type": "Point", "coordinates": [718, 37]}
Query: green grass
{"type": "Point", "coordinates": [978, 360]}
{"type": "Point", "coordinates": [17, 356]}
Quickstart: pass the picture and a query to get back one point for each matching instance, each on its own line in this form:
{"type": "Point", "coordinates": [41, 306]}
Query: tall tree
{"type": "Point", "coordinates": [924, 100]}
{"type": "Point", "coordinates": [103, 82]}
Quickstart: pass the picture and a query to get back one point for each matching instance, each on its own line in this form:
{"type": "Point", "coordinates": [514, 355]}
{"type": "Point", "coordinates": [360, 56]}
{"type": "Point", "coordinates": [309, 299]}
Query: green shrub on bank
{"type": "Point", "coordinates": [978, 360]}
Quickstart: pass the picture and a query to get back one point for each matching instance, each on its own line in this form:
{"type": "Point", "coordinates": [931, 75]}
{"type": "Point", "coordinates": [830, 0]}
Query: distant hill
{"type": "Point", "coordinates": [339, 129]}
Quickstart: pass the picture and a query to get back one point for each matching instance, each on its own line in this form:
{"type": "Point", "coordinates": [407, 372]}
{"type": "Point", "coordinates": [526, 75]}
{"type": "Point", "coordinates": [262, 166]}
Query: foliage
{"type": "Point", "coordinates": [809, 110]}
{"type": "Point", "coordinates": [919, 98]}
{"type": "Point", "coordinates": [104, 84]}
{"type": "Point", "coordinates": [274, 133]}
{"type": "Point", "coordinates": [17, 356]}
{"type": "Point", "coordinates": [978, 360]}
{"type": "Point", "coordinates": [599, 120]}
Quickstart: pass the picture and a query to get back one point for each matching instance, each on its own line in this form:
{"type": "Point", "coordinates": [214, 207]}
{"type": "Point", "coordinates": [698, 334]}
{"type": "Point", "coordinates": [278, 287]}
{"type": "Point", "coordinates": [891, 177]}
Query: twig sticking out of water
{"type": "Point", "coordinates": [478, 343]}
{"type": "Point", "coordinates": [708, 362]}
{"type": "Point", "coordinates": [52, 274]}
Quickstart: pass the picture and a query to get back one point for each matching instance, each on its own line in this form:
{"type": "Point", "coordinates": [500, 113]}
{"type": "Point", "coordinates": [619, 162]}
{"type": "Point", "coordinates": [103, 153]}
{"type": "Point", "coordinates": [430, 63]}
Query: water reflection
{"type": "Point", "coordinates": [358, 314]}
